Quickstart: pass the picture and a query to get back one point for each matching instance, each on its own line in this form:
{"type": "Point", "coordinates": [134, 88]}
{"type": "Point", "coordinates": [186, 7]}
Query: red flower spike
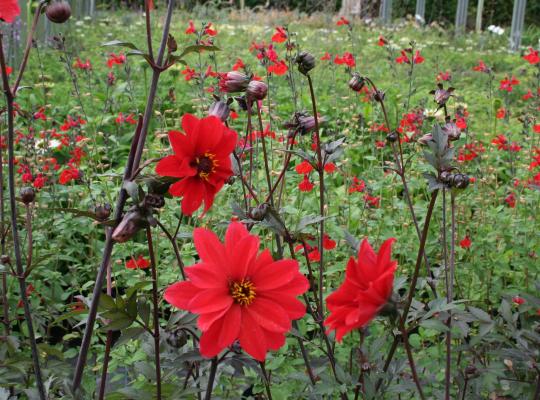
{"type": "Point", "coordinates": [366, 289]}
{"type": "Point", "coordinates": [139, 262]}
{"type": "Point", "coordinates": [201, 160]}
{"type": "Point", "coordinates": [239, 293]}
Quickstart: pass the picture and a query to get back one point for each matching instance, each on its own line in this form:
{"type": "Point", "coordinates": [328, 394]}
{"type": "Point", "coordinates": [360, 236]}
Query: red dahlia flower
{"type": "Point", "coordinates": [201, 159]}
{"type": "Point", "coordinates": [367, 287]}
{"type": "Point", "coordinates": [533, 57]}
{"type": "Point", "coordinates": [9, 9]}
{"type": "Point", "coordinates": [239, 293]}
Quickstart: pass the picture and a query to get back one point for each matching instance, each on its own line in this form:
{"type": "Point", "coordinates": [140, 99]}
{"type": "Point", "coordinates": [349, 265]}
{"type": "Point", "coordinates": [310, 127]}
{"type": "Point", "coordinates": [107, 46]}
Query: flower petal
{"type": "Point", "coordinates": [180, 294]}
{"type": "Point", "coordinates": [207, 276]}
{"type": "Point", "coordinates": [209, 247]}
{"type": "Point", "coordinates": [269, 315]}
{"type": "Point", "coordinates": [252, 338]}
{"type": "Point", "coordinates": [231, 326]}
{"type": "Point", "coordinates": [210, 300]}
{"type": "Point", "coordinates": [209, 343]}
{"type": "Point", "coordinates": [275, 274]}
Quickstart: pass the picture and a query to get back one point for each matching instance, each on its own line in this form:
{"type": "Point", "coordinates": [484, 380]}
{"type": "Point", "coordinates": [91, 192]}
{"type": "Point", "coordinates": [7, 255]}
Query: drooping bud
{"type": "Point", "coordinates": [451, 130]}
{"type": "Point", "coordinates": [58, 12]}
{"type": "Point", "coordinates": [258, 213]}
{"type": "Point", "coordinates": [305, 61]}
{"type": "Point", "coordinates": [103, 211]}
{"type": "Point", "coordinates": [27, 195]}
{"type": "Point", "coordinates": [220, 109]}
{"type": "Point", "coordinates": [233, 82]}
{"type": "Point", "coordinates": [357, 82]}
{"type": "Point", "coordinates": [378, 96]}
{"type": "Point", "coordinates": [256, 90]}
{"type": "Point", "coordinates": [132, 222]}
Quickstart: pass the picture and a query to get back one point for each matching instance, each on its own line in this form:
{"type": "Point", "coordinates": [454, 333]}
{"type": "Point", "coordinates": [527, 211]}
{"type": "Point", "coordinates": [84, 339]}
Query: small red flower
{"type": "Point", "coordinates": [528, 95]}
{"type": "Point", "coordinates": [278, 68]}
{"type": "Point", "coordinates": [532, 57]}
{"type": "Point", "coordinates": [239, 64]}
{"type": "Point", "coordinates": [201, 160]}
{"type": "Point", "coordinates": [191, 28]}
{"type": "Point", "coordinates": [346, 59]}
{"type": "Point", "coordinates": [481, 67]}
{"type": "Point", "coordinates": [209, 30]}
{"type": "Point", "coordinates": [280, 36]}
{"type": "Point", "coordinates": [139, 262]}
{"type": "Point", "coordinates": [9, 10]}
{"type": "Point", "coordinates": [306, 185]}
{"type": "Point", "coordinates": [382, 41]}
{"type": "Point", "coordinates": [466, 242]}
{"type": "Point", "coordinates": [239, 293]}
{"type": "Point", "coordinates": [328, 243]}
{"type": "Point", "coordinates": [329, 168]}
{"type": "Point", "coordinates": [343, 21]}
{"type": "Point", "coordinates": [518, 300]}
{"type": "Point", "coordinates": [511, 200]}
{"type": "Point", "coordinates": [357, 185]}
{"type": "Point", "coordinates": [326, 56]}
{"type": "Point", "coordinates": [366, 289]}
{"type": "Point", "coordinates": [501, 113]}
{"type": "Point", "coordinates": [115, 59]}
{"type": "Point", "coordinates": [68, 175]}
{"type": "Point", "coordinates": [508, 84]}
{"type": "Point", "coordinates": [304, 168]}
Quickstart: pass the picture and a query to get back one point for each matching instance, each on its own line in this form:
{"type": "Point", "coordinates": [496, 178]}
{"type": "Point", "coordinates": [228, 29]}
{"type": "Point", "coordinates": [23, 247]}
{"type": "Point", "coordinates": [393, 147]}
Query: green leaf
{"type": "Point", "coordinates": [106, 303]}
{"type": "Point", "coordinates": [434, 324]}
{"type": "Point", "coordinates": [481, 315]}
{"type": "Point", "coordinates": [195, 49]}
{"type": "Point", "coordinates": [120, 43]}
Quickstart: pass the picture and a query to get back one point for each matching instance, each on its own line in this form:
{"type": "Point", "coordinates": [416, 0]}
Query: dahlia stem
{"type": "Point", "coordinates": [155, 310]}
{"type": "Point", "coordinates": [414, 281]}
{"type": "Point", "coordinates": [106, 358]}
{"type": "Point", "coordinates": [265, 154]}
{"type": "Point", "coordinates": [148, 29]}
{"type": "Point", "coordinates": [266, 380]}
{"type": "Point", "coordinates": [10, 97]}
{"type": "Point", "coordinates": [211, 378]}
{"type": "Point", "coordinates": [410, 357]}
{"type": "Point", "coordinates": [320, 170]}
{"type": "Point", "coordinates": [133, 162]}
{"type": "Point", "coordinates": [450, 296]}
{"type": "Point", "coordinates": [360, 383]}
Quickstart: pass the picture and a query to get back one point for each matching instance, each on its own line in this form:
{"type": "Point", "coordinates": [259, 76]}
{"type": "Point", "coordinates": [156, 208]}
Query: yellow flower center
{"type": "Point", "coordinates": [243, 292]}
{"type": "Point", "coordinates": [206, 164]}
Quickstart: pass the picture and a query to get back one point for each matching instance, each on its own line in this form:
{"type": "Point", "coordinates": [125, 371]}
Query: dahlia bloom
{"type": "Point", "coordinates": [201, 159]}
{"type": "Point", "coordinates": [9, 10]}
{"type": "Point", "coordinates": [367, 287]}
{"type": "Point", "coordinates": [239, 293]}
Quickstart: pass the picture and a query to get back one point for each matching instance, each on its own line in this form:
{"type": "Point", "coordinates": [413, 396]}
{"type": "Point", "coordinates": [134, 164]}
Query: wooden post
{"type": "Point", "coordinates": [461, 16]}
{"type": "Point", "coordinates": [479, 11]}
{"type": "Point", "coordinates": [385, 12]}
{"type": "Point", "coordinates": [420, 14]}
{"type": "Point", "coordinates": [518, 18]}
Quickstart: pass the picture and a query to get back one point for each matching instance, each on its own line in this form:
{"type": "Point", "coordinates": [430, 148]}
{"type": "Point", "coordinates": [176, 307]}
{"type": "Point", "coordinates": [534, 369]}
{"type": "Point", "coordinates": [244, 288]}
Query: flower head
{"type": "Point", "coordinates": [139, 262]}
{"type": "Point", "coordinates": [239, 293]}
{"type": "Point", "coordinates": [366, 289]}
{"type": "Point", "coordinates": [9, 10]}
{"type": "Point", "coordinates": [201, 160]}
{"type": "Point", "coordinates": [532, 57]}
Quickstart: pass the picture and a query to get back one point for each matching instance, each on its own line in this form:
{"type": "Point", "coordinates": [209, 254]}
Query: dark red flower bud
{"type": "Point", "coordinates": [392, 137]}
{"type": "Point", "coordinates": [256, 90]}
{"type": "Point", "coordinates": [451, 130]}
{"type": "Point", "coordinates": [305, 61]}
{"type": "Point", "coordinates": [103, 211]}
{"type": "Point", "coordinates": [132, 222]}
{"type": "Point", "coordinates": [27, 195]}
{"type": "Point", "coordinates": [357, 82]}
{"type": "Point", "coordinates": [233, 82]}
{"type": "Point", "coordinates": [378, 96]}
{"type": "Point", "coordinates": [220, 109]}
{"type": "Point", "coordinates": [153, 200]}
{"type": "Point", "coordinates": [58, 12]}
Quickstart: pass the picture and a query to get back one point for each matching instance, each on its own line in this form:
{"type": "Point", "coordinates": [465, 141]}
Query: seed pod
{"type": "Point", "coordinates": [27, 195]}
{"type": "Point", "coordinates": [378, 96]}
{"type": "Point", "coordinates": [256, 90]}
{"type": "Point", "coordinates": [357, 82]}
{"type": "Point", "coordinates": [103, 211]}
{"type": "Point", "coordinates": [58, 12]}
{"type": "Point", "coordinates": [305, 61]}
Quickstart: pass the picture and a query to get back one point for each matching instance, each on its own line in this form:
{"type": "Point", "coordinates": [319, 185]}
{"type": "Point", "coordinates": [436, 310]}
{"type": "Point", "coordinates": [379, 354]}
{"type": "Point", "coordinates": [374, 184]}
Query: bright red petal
{"type": "Point", "coordinates": [209, 343]}
{"type": "Point", "coordinates": [207, 276]}
{"type": "Point", "coordinates": [275, 275]}
{"type": "Point", "coordinates": [252, 338]}
{"type": "Point", "coordinates": [209, 247]}
{"type": "Point", "coordinates": [232, 321]}
{"type": "Point", "coordinates": [180, 294]}
{"type": "Point", "coordinates": [269, 315]}
{"type": "Point", "coordinates": [210, 300]}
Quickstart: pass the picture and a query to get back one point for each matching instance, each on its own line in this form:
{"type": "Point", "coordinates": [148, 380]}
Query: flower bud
{"type": "Point", "coordinates": [220, 109]}
{"type": "Point", "coordinates": [428, 137]}
{"type": "Point", "coordinates": [392, 137]}
{"type": "Point", "coordinates": [256, 90]}
{"type": "Point", "coordinates": [5, 260]}
{"type": "Point", "coordinates": [378, 96]}
{"type": "Point", "coordinates": [460, 181]}
{"type": "Point", "coordinates": [451, 130]}
{"type": "Point", "coordinates": [27, 195]}
{"type": "Point", "coordinates": [305, 61]}
{"type": "Point", "coordinates": [233, 82]}
{"type": "Point", "coordinates": [258, 213]}
{"type": "Point", "coordinates": [103, 211]}
{"type": "Point", "coordinates": [357, 82]}
{"type": "Point", "coordinates": [58, 12]}
{"type": "Point", "coordinates": [132, 222]}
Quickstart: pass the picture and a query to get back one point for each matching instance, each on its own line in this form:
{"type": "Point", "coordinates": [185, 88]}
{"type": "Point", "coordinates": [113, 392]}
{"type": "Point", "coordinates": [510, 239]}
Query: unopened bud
{"type": "Point", "coordinates": [233, 82]}
{"type": "Point", "coordinates": [392, 137]}
{"type": "Point", "coordinates": [256, 90]}
{"type": "Point", "coordinates": [27, 195]}
{"type": "Point", "coordinates": [220, 109]}
{"type": "Point", "coordinates": [357, 82]}
{"type": "Point", "coordinates": [305, 61]}
{"type": "Point", "coordinates": [153, 200]}
{"type": "Point", "coordinates": [132, 222]}
{"type": "Point", "coordinates": [103, 211]}
{"type": "Point", "coordinates": [58, 12]}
